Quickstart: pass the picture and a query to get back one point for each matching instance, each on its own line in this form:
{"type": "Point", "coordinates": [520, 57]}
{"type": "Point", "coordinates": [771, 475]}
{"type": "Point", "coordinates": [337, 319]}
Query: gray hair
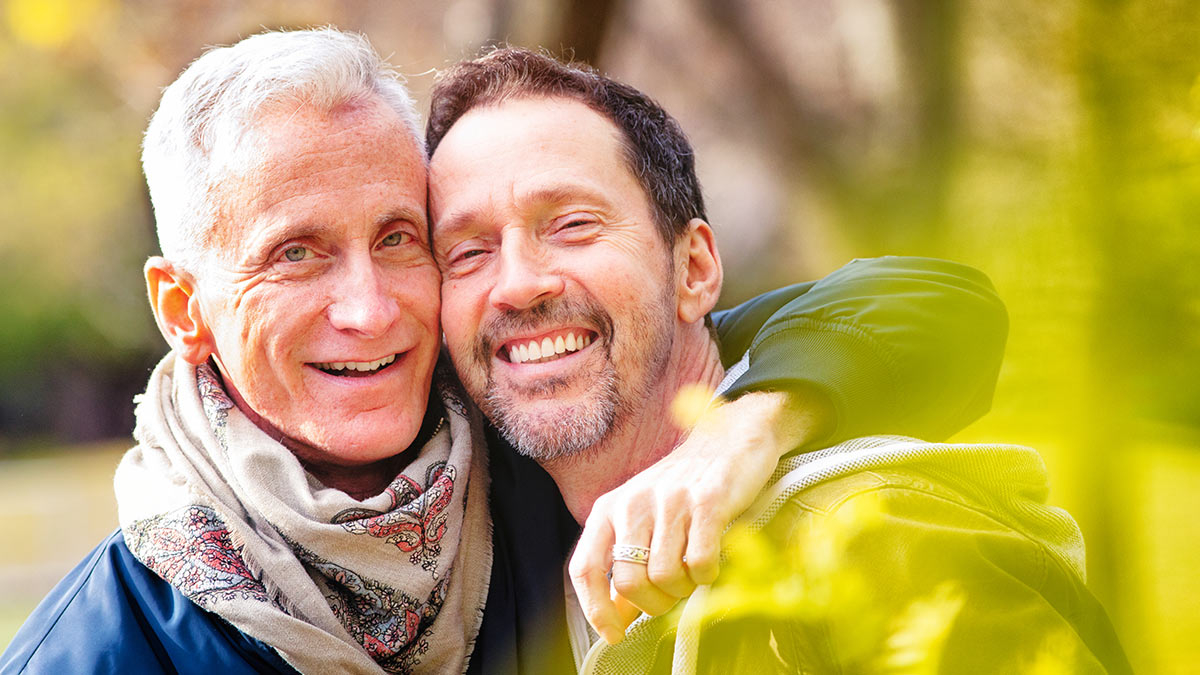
{"type": "Point", "coordinates": [217, 99]}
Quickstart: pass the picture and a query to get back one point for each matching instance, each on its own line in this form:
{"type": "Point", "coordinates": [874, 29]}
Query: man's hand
{"type": "Point", "coordinates": [680, 506]}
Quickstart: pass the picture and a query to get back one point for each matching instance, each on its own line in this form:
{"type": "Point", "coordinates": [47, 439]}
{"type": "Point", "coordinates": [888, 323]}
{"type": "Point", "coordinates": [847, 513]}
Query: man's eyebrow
{"type": "Point", "coordinates": [406, 214]}
{"type": "Point", "coordinates": [563, 192]}
{"type": "Point", "coordinates": [453, 224]}
{"type": "Point", "coordinates": [557, 193]}
{"type": "Point", "coordinates": [276, 234]}
{"type": "Point", "coordinates": [403, 213]}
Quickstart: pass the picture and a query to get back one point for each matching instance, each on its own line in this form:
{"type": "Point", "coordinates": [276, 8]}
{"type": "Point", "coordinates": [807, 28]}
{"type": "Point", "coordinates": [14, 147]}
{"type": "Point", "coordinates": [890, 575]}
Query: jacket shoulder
{"type": "Point", "coordinates": [112, 614]}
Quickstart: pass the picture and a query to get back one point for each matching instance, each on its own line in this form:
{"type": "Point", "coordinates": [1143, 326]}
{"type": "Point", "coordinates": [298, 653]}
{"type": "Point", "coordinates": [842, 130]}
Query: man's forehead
{"type": "Point", "coordinates": [296, 139]}
{"type": "Point", "coordinates": [293, 158]}
{"type": "Point", "coordinates": [530, 125]}
{"type": "Point", "coordinates": [541, 139]}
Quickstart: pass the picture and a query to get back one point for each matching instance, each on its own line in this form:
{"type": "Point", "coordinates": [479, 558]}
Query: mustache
{"type": "Point", "coordinates": [552, 312]}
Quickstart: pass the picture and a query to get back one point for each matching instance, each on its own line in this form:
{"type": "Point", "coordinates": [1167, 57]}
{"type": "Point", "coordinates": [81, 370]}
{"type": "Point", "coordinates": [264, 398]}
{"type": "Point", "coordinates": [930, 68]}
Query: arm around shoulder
{"type": "Point", "coordinates": [899, 345]}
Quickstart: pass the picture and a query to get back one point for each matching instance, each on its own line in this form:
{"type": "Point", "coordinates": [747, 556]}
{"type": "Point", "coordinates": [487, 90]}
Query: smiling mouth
{"type": "Point", "coordinates": [547, 348]}
{"type": "Point", "coordinates": [355, 368]}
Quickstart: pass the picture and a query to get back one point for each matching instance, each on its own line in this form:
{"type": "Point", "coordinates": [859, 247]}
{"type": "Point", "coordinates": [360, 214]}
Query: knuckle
{"type": "Point", "coordinates": [678, 500]}
{"type": "Point", "coordinates": [705, 516]}
{"type": "Point", "coordinates": [702, 559]}
{"type": "Point", "coordinates": [664, 574]}
{"type": "Point", "coordinates": [580, 570]}
{"type": "Point", "coordinates": [627, 586]}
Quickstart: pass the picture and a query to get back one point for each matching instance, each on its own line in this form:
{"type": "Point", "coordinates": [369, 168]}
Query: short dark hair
{"type": "Point", "coordinates": [655, 147]}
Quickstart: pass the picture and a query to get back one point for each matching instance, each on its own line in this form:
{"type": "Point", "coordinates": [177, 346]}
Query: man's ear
{"type": "Point", "coordinates": [177, 311]}
{"type": "Point", "coordinates": [701, 274]}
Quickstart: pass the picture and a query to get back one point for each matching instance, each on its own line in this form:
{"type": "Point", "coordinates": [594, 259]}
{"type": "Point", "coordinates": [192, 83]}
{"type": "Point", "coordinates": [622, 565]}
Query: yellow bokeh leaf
{"type": "Point", "coordinates": [915, 644]}
{"type": "Point", "coordinates": [51, 23]}
{"type": "Point", "coordinates": [690, 404]}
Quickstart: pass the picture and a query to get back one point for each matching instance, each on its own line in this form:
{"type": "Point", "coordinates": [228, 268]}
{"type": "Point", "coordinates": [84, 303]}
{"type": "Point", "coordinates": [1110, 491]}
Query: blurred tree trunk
{"type": "Point", "coordinates": [584, 26]}
{"type": "Point", "coordinates": [929, 34]}
{"type": "Point", "coordinates": [1109, 215]}
{"type": "Point", "coordinates": [578, 33]}
{"type": "Point", "coordinates": [807, 139]}
{"type": "Point", "coordinates": [901, 209]}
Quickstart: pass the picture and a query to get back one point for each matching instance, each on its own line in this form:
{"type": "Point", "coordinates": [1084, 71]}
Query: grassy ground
{"type": "Point", "coordinates": [54, 508]}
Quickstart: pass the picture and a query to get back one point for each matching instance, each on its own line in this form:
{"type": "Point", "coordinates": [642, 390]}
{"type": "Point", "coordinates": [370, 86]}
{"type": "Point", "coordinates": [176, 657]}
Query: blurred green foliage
{"type": "Point", "coordinates": [76, 226]}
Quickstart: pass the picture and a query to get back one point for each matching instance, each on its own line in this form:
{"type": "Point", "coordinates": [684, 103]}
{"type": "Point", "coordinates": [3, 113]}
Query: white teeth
{"type": "Point", "coordinates": [359, 366]}
{"type": "Point", "coordinates": [547, 348]}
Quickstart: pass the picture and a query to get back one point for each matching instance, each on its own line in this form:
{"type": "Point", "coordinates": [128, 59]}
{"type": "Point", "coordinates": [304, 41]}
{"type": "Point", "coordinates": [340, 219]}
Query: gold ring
{"type": "Point", "coordinates": [633, 554]}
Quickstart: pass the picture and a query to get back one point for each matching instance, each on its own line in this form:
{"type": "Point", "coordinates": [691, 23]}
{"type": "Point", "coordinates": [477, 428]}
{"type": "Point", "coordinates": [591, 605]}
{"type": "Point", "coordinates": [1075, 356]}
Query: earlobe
{"type": "Point", "coordinates": [177, 311]}
{"type": "Point", "coordinates": [702, 274]}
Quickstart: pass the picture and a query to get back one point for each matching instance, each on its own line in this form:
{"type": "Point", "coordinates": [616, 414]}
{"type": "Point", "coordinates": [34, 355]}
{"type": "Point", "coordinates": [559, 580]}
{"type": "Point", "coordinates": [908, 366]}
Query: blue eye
{"type": "Point", "coordinates": [394, 239]}
{"type": "Point", "coordinates": [296, 253]}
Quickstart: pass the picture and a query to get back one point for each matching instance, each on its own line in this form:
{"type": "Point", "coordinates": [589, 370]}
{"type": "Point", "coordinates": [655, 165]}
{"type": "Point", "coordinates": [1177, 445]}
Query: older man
{"type": "Point", "coordinates": [298, 498]}
{"type": "Point", "coordinates": [595, 233]}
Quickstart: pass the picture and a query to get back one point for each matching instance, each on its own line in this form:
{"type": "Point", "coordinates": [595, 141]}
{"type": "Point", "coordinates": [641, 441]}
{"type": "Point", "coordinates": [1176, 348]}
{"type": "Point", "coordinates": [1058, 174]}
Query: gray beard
{"type": "Point", "coordinates": [569, 434]}
{"type": "Point", "coordinates": [547, 436]}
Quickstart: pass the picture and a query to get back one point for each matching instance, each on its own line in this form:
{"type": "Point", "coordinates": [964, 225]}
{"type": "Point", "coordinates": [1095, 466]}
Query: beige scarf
{"type": "Point", "coordinates": [229, 517]}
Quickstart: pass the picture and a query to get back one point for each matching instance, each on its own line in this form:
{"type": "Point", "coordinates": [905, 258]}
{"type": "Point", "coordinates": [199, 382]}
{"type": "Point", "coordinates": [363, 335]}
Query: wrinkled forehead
{"type": "Point", "coordinates": [291, 152]}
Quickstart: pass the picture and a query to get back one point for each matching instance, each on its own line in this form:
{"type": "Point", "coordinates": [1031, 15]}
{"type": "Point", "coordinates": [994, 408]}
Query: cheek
{"type": "Point", "coordinates": [417, 288]}
{"type": "Point", "coordinates": [425, 304]}
{"type": "Point", "coordinates": [460, 310]}
{"type": "Point", "coordinates": [269, 327]}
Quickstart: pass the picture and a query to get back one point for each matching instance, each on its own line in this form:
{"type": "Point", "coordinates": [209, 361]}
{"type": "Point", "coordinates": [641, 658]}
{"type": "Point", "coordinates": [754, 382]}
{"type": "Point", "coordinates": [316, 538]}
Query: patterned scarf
{"type": "Point", "coordinates": [228, 516]}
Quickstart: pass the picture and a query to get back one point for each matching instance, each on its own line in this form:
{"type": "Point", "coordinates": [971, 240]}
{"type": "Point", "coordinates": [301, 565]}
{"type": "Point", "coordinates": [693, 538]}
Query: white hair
{"type": "Point", "coordinates": [217, 99]}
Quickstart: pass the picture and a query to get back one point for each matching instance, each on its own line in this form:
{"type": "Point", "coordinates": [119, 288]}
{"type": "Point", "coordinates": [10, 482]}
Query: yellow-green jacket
{"type": "Point", "coordinates": [888, 554]}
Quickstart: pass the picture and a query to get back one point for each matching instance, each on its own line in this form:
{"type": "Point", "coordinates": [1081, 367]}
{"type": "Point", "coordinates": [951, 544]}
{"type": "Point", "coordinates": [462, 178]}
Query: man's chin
{"type": "Point", "coordinates": [547, 429]}
{"type": "Point", "coordinates": [360, 442]}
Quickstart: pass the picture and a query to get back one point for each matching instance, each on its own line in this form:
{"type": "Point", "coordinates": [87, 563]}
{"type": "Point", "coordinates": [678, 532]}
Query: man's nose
{"type": "Point", "coordinates": [525, 278]}
{"type": "Point", "coordinates": [364, 303]}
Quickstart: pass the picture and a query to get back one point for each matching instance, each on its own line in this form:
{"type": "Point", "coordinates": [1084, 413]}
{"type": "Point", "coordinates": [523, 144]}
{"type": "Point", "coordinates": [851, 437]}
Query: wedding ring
{"type": "Point", "coordinates": [633, 554]}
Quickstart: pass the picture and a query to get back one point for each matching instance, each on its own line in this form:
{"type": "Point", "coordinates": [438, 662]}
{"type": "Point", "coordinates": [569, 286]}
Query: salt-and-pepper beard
{"type": "Point", "coordinates": [569, 431]}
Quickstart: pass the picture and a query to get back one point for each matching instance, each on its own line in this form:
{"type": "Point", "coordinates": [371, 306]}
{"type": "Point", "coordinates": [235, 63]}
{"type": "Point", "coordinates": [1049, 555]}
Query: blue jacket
{"type": "Point", "coordinates": [111, 614]}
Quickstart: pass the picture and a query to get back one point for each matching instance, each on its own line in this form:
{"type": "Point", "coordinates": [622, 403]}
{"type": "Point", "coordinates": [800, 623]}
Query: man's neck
{"type": "Point", "coordinates": [646, 435]}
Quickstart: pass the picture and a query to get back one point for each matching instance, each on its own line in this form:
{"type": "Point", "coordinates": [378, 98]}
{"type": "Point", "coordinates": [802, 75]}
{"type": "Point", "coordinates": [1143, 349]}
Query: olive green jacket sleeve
{"type": "Point", "coordinates": [899, 345]}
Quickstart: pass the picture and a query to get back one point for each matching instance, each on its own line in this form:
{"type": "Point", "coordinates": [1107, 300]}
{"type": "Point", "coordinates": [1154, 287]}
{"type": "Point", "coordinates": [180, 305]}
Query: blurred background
{"type": "Point", "coordinates": [1053, 145]}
